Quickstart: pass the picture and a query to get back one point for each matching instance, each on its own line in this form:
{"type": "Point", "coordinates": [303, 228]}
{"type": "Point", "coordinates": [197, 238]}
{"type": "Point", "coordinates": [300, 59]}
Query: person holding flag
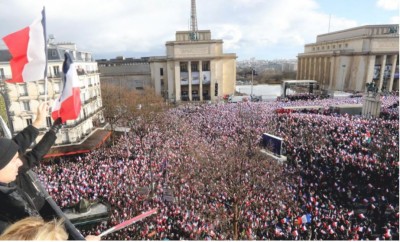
{"type": "Point", "coordinates": [21, 194]}
{"type": "Point", "coordinates": [18, 198]}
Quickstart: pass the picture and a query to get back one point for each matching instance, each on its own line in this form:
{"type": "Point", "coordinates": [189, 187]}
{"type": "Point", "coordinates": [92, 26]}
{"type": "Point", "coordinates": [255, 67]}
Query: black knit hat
{"type": "Point", "coordinates": [8, 148]}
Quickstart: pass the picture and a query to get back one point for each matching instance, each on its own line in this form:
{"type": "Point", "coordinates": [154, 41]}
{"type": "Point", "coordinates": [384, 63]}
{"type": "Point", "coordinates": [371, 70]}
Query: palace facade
{"type": "Point", "coordinates": [347, 60]}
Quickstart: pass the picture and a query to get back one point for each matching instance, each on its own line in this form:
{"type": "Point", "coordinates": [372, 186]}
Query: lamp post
{"type": "Point", "coordinates": [252, 76]}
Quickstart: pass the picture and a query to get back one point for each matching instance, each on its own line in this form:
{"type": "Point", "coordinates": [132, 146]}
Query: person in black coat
{"type": "Point", "coordinates": [18, 198]}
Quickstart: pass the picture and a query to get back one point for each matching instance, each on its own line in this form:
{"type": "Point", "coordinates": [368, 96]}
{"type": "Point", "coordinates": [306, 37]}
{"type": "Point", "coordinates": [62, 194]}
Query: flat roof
{"type": "Point", "coordinates": [94, 141]}
{"type": "Point", "coordinates": [347, 105]}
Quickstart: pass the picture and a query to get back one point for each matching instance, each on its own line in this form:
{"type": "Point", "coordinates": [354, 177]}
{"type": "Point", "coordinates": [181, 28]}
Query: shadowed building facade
{"type": "Point", "coordinates": [348, 59]}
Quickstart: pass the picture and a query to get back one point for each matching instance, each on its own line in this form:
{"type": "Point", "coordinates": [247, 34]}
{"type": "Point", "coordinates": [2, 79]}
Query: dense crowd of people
{"type": "Point", "coordinates": [341, 175]}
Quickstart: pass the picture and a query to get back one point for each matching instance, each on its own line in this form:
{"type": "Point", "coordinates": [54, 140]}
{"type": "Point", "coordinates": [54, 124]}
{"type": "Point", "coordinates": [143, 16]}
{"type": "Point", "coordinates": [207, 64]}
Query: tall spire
{"type": "Point", "coordinates": [193, 22]}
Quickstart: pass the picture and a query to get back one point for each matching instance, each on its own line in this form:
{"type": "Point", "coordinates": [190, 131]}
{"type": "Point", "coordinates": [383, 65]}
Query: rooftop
{"type": "Point", "coordinates": [92, 142]}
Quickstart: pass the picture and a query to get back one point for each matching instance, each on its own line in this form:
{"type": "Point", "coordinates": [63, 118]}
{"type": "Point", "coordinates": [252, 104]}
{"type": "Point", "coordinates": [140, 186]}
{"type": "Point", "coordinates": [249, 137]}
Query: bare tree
{"type": "Point", "coordinates": [145, 120]}
{"type": "Point", "coordinates": [115, 103]}
{"type": "Point", "coordinates": [232, 170]}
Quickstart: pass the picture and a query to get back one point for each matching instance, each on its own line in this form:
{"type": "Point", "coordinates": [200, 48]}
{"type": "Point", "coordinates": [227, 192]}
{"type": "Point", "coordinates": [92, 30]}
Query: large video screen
{"type": "Point", "coordinates": [272, 143]}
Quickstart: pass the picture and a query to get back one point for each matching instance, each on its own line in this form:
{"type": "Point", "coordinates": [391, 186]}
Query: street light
{"type": "Point", "coordinates": [252, 75]}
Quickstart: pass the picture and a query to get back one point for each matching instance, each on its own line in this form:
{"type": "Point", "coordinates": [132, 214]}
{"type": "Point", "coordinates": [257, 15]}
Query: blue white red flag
{"type": "Point", "coordinates": [68, 106]}
{"type": "Point", "coordinates": [28, 50]}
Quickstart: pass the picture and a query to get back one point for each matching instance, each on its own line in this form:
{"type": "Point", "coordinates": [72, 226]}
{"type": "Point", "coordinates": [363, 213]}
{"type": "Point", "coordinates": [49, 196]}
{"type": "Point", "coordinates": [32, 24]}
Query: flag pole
{"type": "Point", "coordinates": [129, 222]}
{"type": "Point", "coordinates": [46, 42]}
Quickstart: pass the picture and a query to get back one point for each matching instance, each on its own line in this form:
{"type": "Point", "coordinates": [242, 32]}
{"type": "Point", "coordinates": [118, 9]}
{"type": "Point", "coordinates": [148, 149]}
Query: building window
{"type": "Point", "coordinates": [23, 90]}
{"type": "Point", "coordinates": [313, 48]}
{"type": "Point", "coordinates": [2, 76]}
{"type": "Point", "coordinates": [328, 47]}
{"type": "Point", "coordinates": [29, 121]}
{"type": "Point", "coordinates": [56, 87]}
{"type": "Point", "coordinates": [334, 46]}
{"type": "Point", "coordinates": [80, 71]}
{"type": "Point", "coordinates": [41, 88]}
{"type": "Point", "coordinates": [56, 70]}
{"type": "Point", "coordinates": [161, 72]}
{"type": "Point", "coordinates": [139, 85]}
{"type": "Point", "coordinates": [26, 106]}
{"type": "Point", "coordinates": [48, 121]}
{"type": "Point", "coordinates": [83, 97]}
{"type": "Point", "coordinates": [195, 66]}
{"type": "Point", "coordinates": [346, 45]}
{"type": "Point", "coordinates": [53, 53]}
{"type": "Point", "coordinates": [206, 66]}
{"type": "Point", "coordinates": [162, 82]}
{"type": "Point", "coordinates": [340, 45]}
{"type": "Point", "coordinates": [184, 67]}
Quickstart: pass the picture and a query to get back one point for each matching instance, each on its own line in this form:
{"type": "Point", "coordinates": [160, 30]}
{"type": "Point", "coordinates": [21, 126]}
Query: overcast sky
{"type": "Point", "coordinates": [261, 29]}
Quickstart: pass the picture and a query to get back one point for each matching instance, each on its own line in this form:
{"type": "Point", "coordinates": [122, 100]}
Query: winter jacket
{"type": "Point", "coordinates": [20, 199]}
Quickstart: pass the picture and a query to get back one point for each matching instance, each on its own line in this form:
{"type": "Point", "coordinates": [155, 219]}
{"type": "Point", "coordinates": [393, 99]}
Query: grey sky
{"type": "Point", "coordinates": [264, 29]}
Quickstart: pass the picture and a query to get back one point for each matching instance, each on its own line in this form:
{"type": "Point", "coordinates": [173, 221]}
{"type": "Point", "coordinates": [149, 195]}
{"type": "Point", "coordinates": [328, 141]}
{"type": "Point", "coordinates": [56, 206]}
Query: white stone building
{"type": "Point", "coordinates": [22, 99]}
{"type": "Point", "coordinates": [194, 69]}
{"type": "Point", "coordinates": [348, 59]}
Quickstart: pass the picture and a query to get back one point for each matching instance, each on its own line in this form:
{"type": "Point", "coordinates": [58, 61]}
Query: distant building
{"type": "Point", "coordinates": [22, 99]}
{"type": "Point", "coordinates": [194, 69]}
{"type": "Point", "coordinates": [126, 72]}
{"type": "Point", "coordinates": [348, 59]}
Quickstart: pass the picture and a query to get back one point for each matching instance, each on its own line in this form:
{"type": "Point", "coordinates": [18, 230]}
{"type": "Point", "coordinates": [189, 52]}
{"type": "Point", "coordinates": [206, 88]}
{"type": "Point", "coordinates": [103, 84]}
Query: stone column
{"type": "Point", "coordinates": [319, 66]}
{"type": "Point", "coordinates": [201, 80]}
{"type": "Point", "coordinates": [314, 68]}
{"type": "Point", "coordinates": [325, 73]}
{"type": "Point", "coordinates": [190, 80]}
{"type": "Point", "coordinates": [323, 69]}
{"type": "Point", "coordinates": [305, 66]}
{"type": "Point", "coordinates": [394, 65]}
{"type": "Point", "coordinates": [331, 72]}
{"type": "Point", "coordinates": [298, 74]}
{"type": "Point", "coordinates": [212, 80]}
{"type": "Point", "coordinates": [371, 106]}
{"type": "Point", "coordinates": [383, 65]}
{"type": "Point", "coordinates": [177, 82]}
{"type": "Point", "coordinates": [370, 69]}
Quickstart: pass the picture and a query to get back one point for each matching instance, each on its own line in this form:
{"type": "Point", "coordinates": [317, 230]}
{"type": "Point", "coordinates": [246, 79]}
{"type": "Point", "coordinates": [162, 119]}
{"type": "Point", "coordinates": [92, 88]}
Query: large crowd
{"type": "Point", "coordinates": [341, 175]}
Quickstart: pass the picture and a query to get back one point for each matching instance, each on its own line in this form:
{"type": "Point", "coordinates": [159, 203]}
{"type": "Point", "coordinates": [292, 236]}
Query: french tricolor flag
{"type": "Point", "coordinates": [68, 106]}
{"type": "Point", "coordinates": [28, 50]}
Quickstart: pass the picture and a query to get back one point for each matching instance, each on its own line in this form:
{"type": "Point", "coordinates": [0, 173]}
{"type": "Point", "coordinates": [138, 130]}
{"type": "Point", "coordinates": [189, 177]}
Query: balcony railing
{"type": "Point", "coordinates": [58, 75]}
{"type": "Point", "coordinates": [5, 77]}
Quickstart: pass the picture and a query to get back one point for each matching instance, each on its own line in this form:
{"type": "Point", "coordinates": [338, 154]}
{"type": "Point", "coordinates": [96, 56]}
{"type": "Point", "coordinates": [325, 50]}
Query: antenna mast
{"type": "Point", "coordinates": [193, 22]}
